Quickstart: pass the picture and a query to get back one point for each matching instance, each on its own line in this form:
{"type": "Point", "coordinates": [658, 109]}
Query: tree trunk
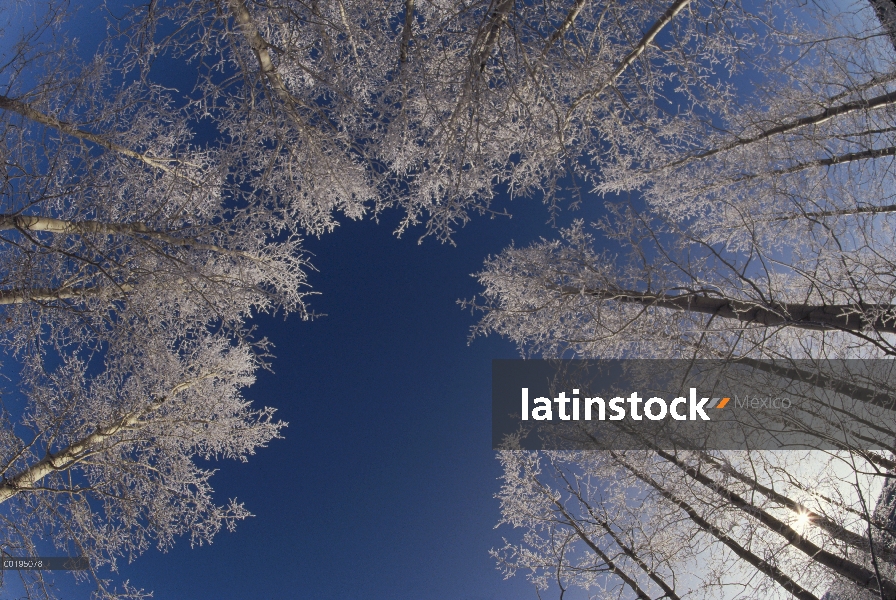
{"type": "Point", "coordinates": [49, 295]}
{"type": "Point", "coordinates": [76, 451]}
{"type": "Point", "coordinates": [499, 17]}
{"type": "Point", "coordinates": [52, 225]}
{"type": "Point", "coordinates": [843, 317]}
{"type": "Point", "coordinates": [886, 13]}
{"type": "Point", "coordinates": [407, 32]}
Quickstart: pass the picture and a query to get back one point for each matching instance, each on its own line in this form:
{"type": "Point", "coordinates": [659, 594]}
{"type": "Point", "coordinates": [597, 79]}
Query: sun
{"type": "Point", "coordinates": [802, 521]}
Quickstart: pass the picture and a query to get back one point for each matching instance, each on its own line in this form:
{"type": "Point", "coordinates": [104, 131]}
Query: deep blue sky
{"type": "Point", "coordinates": [384, 485]}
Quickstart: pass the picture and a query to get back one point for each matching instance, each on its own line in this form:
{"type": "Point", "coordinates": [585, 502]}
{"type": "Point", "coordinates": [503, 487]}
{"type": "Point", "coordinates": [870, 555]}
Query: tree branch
{"type": "Point", "coordinates": [822, 162]}
{"type": "Point", "coordinates": [499, 17]}
{"type": "Point", "coordinates": [639, 49]}
{"type": "Point", "coordinates": [260, 47]}
{"type": "Point", "coordinates": [565, 25]}
{"type": "Point", "coordinates": [27, 111]}
{"type": "Point", "coordinates": [826, 115]}
{"type": "Point", "coordinates": [74, 452]}
{"type": "Point", "coordinates": [348, 33]}
{"type": "Point", "coordinates": [845, 212]}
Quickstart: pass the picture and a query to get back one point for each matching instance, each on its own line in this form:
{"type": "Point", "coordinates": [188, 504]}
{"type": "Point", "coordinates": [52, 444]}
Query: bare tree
{"type": "Point", "coordinates": [90, 225]}
{"type": "Point", "coordinates": [434, 107]}
{"type": "Point", "coordinates": [128, 274]}
{"type": "Point", "coordinates": [796, 168]}
{"type": "Point", "coordinates": [104, 463]}
{"type": "Point", "coordinates": [763, 233]}
{"type": "Point", "coordinates": [634, 524]}
{"type": "Point", "coordinates": [676, 297]}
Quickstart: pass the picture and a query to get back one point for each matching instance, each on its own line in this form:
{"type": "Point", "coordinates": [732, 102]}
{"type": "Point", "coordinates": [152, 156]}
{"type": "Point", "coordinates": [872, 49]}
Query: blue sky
{"type": "Point", "coordinates": [383, 486]}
